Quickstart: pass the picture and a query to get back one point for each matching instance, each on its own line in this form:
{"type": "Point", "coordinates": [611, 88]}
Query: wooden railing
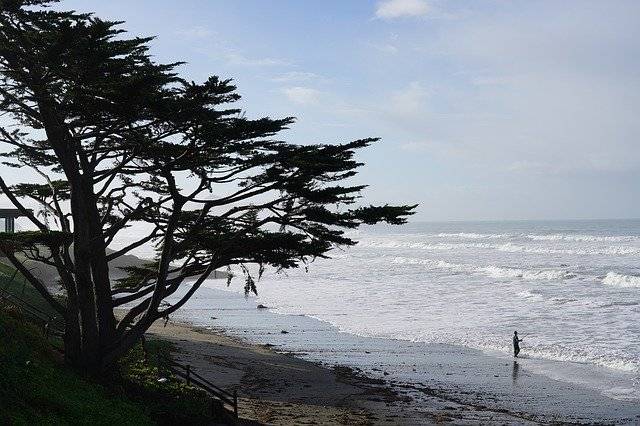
{"type": "Point", "coordinates": [193, 378]}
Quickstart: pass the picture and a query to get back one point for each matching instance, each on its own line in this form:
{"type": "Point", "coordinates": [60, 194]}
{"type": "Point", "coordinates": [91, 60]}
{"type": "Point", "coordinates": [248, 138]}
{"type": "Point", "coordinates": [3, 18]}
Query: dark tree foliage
{"type": "Point", "coordinates": [121, 140]}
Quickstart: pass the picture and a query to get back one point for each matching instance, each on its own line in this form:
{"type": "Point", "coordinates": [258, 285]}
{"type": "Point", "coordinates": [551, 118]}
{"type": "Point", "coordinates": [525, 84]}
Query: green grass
{"type": "Point", "coordinates": [166, 397]}
{"type": "Point", "coordinates": [14, 283]}
{"type": "Point", "coordinates": [35, 389]}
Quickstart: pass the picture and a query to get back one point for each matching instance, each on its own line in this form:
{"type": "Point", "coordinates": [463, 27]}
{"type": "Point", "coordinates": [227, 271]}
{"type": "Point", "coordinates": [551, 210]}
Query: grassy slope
{"type": "Point", "coordinates": [16, 284]}
{"type": "Point", "coordinates": [36, 389]}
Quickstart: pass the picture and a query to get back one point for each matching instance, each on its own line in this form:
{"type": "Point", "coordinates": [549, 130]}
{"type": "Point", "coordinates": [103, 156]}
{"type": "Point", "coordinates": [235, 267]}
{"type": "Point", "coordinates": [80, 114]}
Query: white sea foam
{"type": "Point", "coordinates": [530, 295]}
{"type": "Point", "coordinates": [526, 274]}
{"type": "Point", "coordinates": [581, 355]}
{"type": "Point", "coordinates": [614, 279]}
{"type": "Point", "coordinates": [508, 247]}
{"type": "Point", "coordinates": [623, 394]}
{"type": "Point", "coordinates": [540, 237]}
{"type": "Point", "coordinates": [471, 235]}
{"type": "Point", "coordinates": [491, 270]}
{"type": "Point", "coordinates": [610, 360]}
{"type": "Point", "coordinates": [398, 244]}
{"type": "Point", "coordinates": [439, 285]}
{"type": "Point", "coordinates": [419, 245]}
{"type": "Point", "coordinates": [609, 250]}
{"type": "Point", "coordinates": [534, 348]}
{"type": "Point", "coordinates": [620, 250]}
{"type": "Point", "coordinates": [434, 264]}
{"type": "Point", "coordinates": [582, 238]}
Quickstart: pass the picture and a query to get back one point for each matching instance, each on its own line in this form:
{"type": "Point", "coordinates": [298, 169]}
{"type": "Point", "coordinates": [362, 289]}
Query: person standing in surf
{"type": "Point", "coordinates": [516, 344]}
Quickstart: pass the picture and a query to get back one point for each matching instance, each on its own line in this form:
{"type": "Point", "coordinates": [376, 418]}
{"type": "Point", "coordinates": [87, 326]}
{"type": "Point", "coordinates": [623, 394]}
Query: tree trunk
{"type": "Point", "coordinates": [92, 280]}
{"type": "Point", "coordinates": [90, 323]}
{"type": "Point", "coordinates": [72, 336]}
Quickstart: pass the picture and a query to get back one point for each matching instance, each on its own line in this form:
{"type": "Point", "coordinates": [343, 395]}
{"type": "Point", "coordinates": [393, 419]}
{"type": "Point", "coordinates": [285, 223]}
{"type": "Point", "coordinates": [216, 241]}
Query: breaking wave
{"type": "Point", "coordinates": [526, 274]}
{"type": "Point", "coordinates": [507, 247]}
{"type": "Point", "coordinates": [530, 295]}
{"type": "Point", "coordinates": [614, 279]}
{"type": "Point", "coordinates": [491, 271]}
{"type": "Point", "coordinates": [611, 250]}
{"type": "Point", "coordinates": [583, 238]}
{"type": "Point", "coordinates": [541, 237]}
{"type": "Point", "coordinates": [471, 235]}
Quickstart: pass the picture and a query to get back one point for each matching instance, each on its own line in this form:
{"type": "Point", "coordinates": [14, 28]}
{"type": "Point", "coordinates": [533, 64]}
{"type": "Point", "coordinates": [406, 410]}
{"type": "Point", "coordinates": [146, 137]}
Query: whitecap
{"type": "Point", "coordinates": [530, 295]}
{"type": "Point", "coordinates": [471, 235]}
{"type": "Point", "coordinates": [491, 271]}
{"type": "Point", "coordinates": [614, 279]}
{"type": "Point", "coordinates": [527, 274]}
{"type": "Point", "coordinates": [583, 238]}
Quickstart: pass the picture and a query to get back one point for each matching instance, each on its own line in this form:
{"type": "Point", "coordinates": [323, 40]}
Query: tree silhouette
{"type": "Point", "coordinates": [121, 140]}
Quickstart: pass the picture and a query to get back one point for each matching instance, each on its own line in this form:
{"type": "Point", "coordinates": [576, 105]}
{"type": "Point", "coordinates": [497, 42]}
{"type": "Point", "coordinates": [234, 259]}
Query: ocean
{"type": "Point", "coordinates": [570, 288]}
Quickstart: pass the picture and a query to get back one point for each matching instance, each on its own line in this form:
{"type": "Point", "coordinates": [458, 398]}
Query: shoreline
{"type": "Point", "coordinates": [273, 388]}
{"type": "Point", "coordinates": [442, 380]}
{"type": "Point", "coordinates": [282, 388]}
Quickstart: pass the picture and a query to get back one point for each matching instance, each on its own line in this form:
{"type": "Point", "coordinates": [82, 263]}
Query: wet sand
{"type": "Point", "coordinates": [282, 389]}
{"type": "Point", "coordinates": [284, 375]}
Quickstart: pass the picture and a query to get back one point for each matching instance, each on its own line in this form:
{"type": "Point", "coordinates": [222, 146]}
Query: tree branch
{"type": "Point", "coordinates": [35, 282]}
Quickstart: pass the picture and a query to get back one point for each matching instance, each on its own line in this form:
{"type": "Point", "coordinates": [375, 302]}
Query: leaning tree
{"type": "Point", "coordinates": [118, 140]}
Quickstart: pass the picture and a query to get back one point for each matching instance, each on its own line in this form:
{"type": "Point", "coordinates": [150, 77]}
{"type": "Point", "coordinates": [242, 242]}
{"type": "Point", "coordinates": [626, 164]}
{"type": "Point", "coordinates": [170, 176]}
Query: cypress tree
{"type": "Point", "coordinates": [120, 140]}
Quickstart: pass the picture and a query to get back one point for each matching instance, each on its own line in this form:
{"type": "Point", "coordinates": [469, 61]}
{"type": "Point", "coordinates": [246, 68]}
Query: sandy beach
{"type": "Point", "coordinates": [290, 378]}
{"type": "Point", "coordinates": [273, 388]}
{"type": "Point", "coordinates": [282, 389]}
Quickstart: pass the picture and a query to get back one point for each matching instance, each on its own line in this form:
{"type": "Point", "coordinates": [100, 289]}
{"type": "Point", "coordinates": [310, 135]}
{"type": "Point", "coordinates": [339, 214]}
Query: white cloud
{"type": "Point", "coordinates": [195, 33]}
{"type": "Point", "coordinates": [417, 146]}
{"type": "Point", "coordinates": [295, 76]}
{"type": "Point", "coordinates": [236, 58]}
{"type": "Point", "coordinates": [302, 95]}
{"type": "Point", "coordinates": [203, 41]}
{"type": "Point", "coordinates": [389, 9]}
{"type": "Point", "coordinates": [386, 48]}
{"type": "Point", "coordinates": [410, 100]}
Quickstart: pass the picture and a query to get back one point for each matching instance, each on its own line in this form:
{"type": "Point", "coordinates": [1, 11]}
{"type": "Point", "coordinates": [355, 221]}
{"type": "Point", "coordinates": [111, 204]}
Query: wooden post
{"type": "Point", "coordinates": [235, 403]}
{"type": "Point", "coordinates": [188, 374]}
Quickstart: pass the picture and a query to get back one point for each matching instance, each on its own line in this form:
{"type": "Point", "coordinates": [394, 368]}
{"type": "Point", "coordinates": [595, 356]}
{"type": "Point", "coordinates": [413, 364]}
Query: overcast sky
{"type": "Point", "coordinates": [487, 109]}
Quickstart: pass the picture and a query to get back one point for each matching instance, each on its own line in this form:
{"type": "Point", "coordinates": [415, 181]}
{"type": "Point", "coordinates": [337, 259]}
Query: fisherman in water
{"type": "Point", "coordinates": [516, 344]}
